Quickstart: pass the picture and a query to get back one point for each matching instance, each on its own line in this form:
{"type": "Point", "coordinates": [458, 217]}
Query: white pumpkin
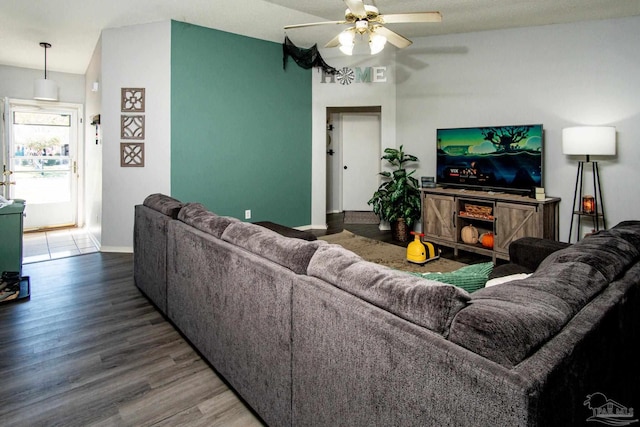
{"type": "Point", "coordinates": [469, 234]}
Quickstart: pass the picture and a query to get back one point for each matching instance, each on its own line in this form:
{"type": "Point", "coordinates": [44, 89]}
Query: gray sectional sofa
{"type": "Point", "coordinates": [309, 334]}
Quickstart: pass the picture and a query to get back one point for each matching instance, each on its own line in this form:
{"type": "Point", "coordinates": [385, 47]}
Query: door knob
{"type": "Point", "coordinates": [345, 167]}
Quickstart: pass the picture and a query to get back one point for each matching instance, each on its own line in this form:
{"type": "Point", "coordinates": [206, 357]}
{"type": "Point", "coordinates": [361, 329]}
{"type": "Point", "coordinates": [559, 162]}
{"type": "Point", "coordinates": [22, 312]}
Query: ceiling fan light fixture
{"type": "Point", "coordinates": [362, 26]}
{"type": "Point", "coordinates": [45, 89]}
{"type": "Point", "coordinates": [367, 20]}
{"type": "Point", "coordinates": [376, 43]}
{"type": "Point", "coordinates": [346, 40]}
{"type": "Point", "coordinates": [347, 50]}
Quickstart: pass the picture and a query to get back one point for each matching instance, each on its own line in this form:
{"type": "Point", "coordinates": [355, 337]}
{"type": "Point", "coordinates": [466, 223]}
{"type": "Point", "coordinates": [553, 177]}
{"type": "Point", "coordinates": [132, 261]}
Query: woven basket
{"type": "Point", "coordinates": [478, 210]}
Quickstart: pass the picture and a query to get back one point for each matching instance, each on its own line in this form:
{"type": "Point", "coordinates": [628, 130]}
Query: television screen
{"type": "Point", "coordinates": [494, 158]}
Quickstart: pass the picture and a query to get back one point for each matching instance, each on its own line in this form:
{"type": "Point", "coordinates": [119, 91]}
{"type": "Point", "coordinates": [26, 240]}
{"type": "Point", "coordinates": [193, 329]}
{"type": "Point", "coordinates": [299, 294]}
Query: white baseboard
{"type": "Point", "coordinates": [311, 227]}
{"type": "Point", "coordinates": [117, 249]}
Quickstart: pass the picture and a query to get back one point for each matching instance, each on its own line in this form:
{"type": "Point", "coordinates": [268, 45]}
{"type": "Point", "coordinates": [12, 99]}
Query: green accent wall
{"type": "Point", "coordinates": [240, 126]}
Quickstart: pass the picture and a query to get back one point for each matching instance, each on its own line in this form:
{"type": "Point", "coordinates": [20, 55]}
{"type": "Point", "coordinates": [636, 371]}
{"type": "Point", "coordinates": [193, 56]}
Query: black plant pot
{"type": "Point", "coordinates": [400, 231]}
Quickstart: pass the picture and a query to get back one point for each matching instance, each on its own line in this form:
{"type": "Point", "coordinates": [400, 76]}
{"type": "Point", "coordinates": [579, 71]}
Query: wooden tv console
{"type": "Point", "coordinates": [446, 211]}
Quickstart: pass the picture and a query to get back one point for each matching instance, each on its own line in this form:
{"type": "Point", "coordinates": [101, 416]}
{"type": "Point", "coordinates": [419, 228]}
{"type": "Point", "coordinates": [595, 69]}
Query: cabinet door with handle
{"type": "Point", "coordinates": [514, 221]}
{"type": "Point", "coordinates": [439, 217]}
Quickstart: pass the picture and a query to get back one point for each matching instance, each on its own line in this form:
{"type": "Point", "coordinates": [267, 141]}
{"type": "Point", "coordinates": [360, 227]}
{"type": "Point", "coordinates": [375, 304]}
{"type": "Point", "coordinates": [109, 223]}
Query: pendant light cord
{"type": "Point", "coordinates": [45, 45]}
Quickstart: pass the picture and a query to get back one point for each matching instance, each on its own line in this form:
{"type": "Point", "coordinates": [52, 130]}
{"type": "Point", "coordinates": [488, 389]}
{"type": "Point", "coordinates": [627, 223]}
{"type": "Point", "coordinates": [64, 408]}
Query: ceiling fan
{"type": "Point", "coordinates": [366, 19]}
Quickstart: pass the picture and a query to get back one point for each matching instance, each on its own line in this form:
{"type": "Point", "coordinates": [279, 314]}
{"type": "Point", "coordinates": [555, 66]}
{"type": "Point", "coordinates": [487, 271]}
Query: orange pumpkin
{"type": "Point", "coordinates": [487, 240]}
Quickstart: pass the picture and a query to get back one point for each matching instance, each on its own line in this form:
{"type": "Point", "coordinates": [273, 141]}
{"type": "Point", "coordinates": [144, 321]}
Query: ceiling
{"type": "Point", "coordinates": [73, 27]}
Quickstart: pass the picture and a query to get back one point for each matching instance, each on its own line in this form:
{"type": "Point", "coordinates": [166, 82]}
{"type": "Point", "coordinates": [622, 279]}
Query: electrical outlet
{"type": "Point", "coordinates": [247, 214]}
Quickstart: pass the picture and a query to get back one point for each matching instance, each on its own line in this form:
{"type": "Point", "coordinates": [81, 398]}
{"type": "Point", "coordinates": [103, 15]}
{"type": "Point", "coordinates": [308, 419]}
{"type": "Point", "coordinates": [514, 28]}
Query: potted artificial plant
{"type": "Point", "coordinates": [397, 200]}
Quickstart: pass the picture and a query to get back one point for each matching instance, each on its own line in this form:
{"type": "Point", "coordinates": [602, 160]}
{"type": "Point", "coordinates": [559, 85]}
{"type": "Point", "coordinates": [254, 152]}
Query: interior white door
{"type": "Point", "coordinates": [360, 159]}
{"type": "Point", "coordinates": [42, 156]}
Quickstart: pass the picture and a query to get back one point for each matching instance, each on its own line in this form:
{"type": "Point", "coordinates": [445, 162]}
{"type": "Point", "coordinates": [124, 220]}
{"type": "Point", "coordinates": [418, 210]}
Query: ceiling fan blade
{"type": "Point", "coordinates": [311, 24]}
{"type": "Point", "coordinates": [392, 37]}
{"type": "Point", "coordinates": [406, 18]}
{"type": "Point", "coordinates": [334, 42]}
{"type": "Point", "coordinates": [356, 7]}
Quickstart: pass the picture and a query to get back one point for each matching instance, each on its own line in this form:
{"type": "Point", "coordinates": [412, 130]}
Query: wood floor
{"type": "Point", "coordinates": [88, 349]}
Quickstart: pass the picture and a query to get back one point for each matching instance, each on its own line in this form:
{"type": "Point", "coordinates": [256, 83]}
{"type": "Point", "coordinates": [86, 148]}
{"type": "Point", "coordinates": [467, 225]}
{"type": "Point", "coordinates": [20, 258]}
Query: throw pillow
{"type": "Point", "coordinates": [504, 279]}
{"type": "Point", "coordinates": [470, 278]}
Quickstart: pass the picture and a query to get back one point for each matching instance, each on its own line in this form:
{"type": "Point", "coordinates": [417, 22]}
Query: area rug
{"type": "Point", "coordinates": [387, 254]}
{"type": "Point", "coordinates": [360, 217]}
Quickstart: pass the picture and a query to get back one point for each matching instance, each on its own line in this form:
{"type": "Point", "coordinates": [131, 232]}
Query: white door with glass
{"type": "Point", "coordinates": [41, 154]}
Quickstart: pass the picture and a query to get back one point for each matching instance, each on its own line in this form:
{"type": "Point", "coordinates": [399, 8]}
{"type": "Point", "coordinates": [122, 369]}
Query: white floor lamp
{"type": "Point", "coordinates": [588, 141]}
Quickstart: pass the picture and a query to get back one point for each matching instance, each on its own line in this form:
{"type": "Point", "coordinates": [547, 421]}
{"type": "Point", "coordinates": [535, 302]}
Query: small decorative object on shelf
{"type": "Point", "coordinates": [469, 234]}
{"type": "Point", "coordinates": [428, 182]}
{"type": "Point", "coordinates": [588, 204]}
{"type": "Point", "coordinates": [475, 211]}
{"type": "Point", "coordinates": [486, 240]}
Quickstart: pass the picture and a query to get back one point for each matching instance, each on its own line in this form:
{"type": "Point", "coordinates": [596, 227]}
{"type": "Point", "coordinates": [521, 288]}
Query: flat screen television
{"type": "Point", "coordinates": [492, 158]}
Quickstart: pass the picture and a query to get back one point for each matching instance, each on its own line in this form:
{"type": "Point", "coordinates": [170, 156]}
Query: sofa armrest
{"type": "Point", "coordinates": [529, 252]}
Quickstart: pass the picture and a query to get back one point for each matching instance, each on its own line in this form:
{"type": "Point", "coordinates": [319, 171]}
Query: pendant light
{"type": "Point", "coordinates": [43, 89]}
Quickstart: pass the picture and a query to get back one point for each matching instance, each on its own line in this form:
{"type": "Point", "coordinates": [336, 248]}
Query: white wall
{"type": "Point", "coordinates": [92, 150]}
{"type": "Point", "coordinates": [353, 95]}
{"type": "Point", "coordinates": [135, 57]}
{"type": "Point", "coordinates": [559, 75]}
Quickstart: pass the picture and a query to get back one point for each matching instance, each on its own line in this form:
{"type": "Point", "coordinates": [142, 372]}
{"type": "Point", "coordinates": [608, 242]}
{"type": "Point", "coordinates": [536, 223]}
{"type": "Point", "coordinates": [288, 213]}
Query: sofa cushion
{"type": "Point", "coordinates": [197, 216]}
{"type": "Point", "coordinates": [608, 251]}
{"type": "Point", "coordinates": [506, 323]}
{"type": "Point", "coordinates": [627, 230]}
{"type": "Point", "coordinates": [329, 261]}
{"type": "Point", "coordinates": [163, 204]}
{"type": "Point", "coordinates": [291, 253]}
{"type": "Point", "coordinates": [529, 252]}
{"type": "Point", "coordinates": [427, 303]}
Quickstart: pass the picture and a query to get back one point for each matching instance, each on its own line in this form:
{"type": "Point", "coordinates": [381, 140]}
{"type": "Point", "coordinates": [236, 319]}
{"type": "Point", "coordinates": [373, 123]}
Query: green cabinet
{"type": "Point", "coordinates": [11, 236]}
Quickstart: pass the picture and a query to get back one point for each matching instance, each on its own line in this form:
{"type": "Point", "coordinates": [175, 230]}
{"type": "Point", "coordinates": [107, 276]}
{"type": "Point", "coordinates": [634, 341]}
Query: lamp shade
{"type": "Point", "coordinates": [45, 90]}
{"type": "Point", "coordinates": [589, 140]}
